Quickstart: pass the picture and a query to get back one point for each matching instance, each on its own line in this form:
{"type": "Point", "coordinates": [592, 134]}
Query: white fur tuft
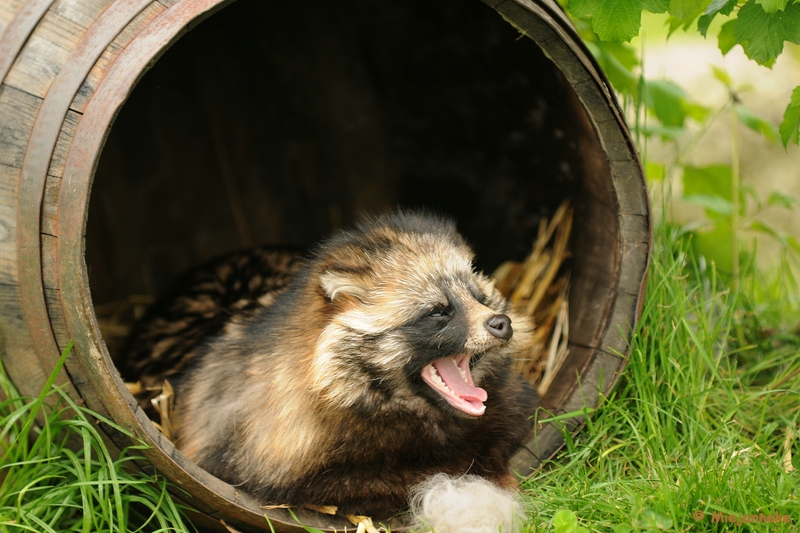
{"type": "Point", "coordinates": [466, 504]}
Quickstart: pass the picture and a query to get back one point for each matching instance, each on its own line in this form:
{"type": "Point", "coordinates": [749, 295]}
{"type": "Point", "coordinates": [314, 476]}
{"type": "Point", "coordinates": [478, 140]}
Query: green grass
{"type": "Point", "coordinates": [56, 474]}
{"type": "Point", "coordinates": [701, 420]}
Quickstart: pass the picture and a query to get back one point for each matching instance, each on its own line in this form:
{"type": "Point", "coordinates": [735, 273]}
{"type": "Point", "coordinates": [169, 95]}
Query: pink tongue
{"type": "Point", "coordinates": [448, 369]}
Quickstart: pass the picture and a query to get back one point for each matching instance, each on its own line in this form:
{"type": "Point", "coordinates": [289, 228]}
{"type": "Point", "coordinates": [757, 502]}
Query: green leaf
{"type": "Point", "coordinates": [726, 37]}
{"type": "Point", "coordinates": [622, 528]}
{"type": "Point", "coordinates": [673, 25]}
{"type": "Point", "coordinates": [720, 6]}
{"type": "Point", "coordinates": [758, 124]}
{"type": "Point", "coordinates": [651, 520]}
{"type": "Point", "coordinates": [723, 7]}
{"type": "Point", "coordinates": [790, 21]}
{"type": "Point", "coordinates": [654, 171]}
{"type": "Point", "coordinates": [762, 34]}
{"type": "Point", "coordinates": [617, 20]}
{"type": "Point", "coordinates": [711, 180]}
{"type": "Point", "coordinates": [696, 111]}
{"type": "Point", "coordinates": [667, 101]}
{"type": "Point", "coordinates": [618, 61]}
{"type": "Point", "coordinates": [687, 10]}
{"type": "Point", "coordinates": [565, 521]}
{"type": "Point", "coordinates": [656, 6]}
{"type": "Point", "coordinates": [582, 8]}
{"type": "Point", "coordinates": [794, 244]}
{"type": "Point", "coordinates": [667, 133]}
{"type": "Point", "coordinates": [715, 245]}
{"type": "Point", "coordinates": [715, 204]}
{"type": "Point", "coordinates": [766, 229]}
{"type": "Point", "coordinates": [771, 6]}
{"type": "Point", "coordinates": [790, 126]}
{"type": "Point", "coordinates": [722, 75]}
{"type": "Point", "coordinates": [782, 200]}
{"type": "Point", "coordinates": [746, 190]}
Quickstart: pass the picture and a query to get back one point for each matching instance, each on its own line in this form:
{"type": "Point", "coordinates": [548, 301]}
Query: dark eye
{"type": "Point", "coordinates": [479, 295]}
{"type": "Point", "coordinates": [440, 312]}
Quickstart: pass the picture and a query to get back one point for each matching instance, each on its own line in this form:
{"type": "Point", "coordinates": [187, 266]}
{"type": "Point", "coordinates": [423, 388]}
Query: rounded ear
{"type": "Point", "coordinates": [339, 282]}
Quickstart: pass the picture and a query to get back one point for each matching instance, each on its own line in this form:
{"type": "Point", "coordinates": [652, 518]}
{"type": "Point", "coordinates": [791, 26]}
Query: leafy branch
{"type": "Point", "coordinates": [760, 27]}
{"type": "Point", "coordinates": [732, 210]}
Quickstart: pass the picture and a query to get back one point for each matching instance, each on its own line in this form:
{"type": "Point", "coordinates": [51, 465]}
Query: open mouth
{"type": "Point", "coordinates": [451, 377]}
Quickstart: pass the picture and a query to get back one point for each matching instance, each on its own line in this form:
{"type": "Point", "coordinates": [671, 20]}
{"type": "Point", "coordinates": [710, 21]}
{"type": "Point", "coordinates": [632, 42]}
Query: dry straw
{"type": "Point", "coordinates": [539, 287]}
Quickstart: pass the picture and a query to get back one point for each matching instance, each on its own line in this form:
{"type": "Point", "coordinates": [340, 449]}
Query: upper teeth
{"type": "Point", "coordinates": [436, 377]}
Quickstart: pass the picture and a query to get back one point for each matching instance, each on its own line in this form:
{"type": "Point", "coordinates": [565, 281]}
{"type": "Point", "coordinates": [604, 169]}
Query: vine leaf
{"type": "Point", "coordinates": [790, 127]}
{"type": "Point", "coordinates": [781, 199]}
{"type": "Point", "coordinates": [714, 205]}
{"type": "Point", "coordinates": [613, 20]}
{"type": "Point", "coordinates": [758, 124]}
{"type": "Point", "coordinates": [711, 180]}
{"type": "Point", "coordinates": [726, 38]}
{"type": "Point", "coordinates": [687, 10]}
{"type": "Point", "coordinates": [618, 61]}
{"type": "Point", "coordinates": [656, 6]}
{"type": "Point", "coordinates": [762, 34]}
{"type": "Point", "coordinates": [722, 7]}
{"type": "Point", "coordinates": [771, 6]}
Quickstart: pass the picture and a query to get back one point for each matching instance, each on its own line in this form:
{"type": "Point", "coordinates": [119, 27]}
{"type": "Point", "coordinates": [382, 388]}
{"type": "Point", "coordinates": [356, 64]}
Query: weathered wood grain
{"type": "Point", "coordinates": [40, 252]}
{"type": "Point", "coordinates": [9, 178]}
{"type": "Point", "coordinates": [17, 350]}
{"type": "Point", "coordinates": [52, 299]}
{"type": "Point", "coordinates": [47, 49]}
{"type": "Point", "coordinates": [16, 346]}
{"type": "Point", "coordinates": [17, 113]}
{"type": "Point", "coordinates": [168, 3]}
{"type": "Point", "coordinates": [94, 77]}
{"type": "Point", "coordinates": [597, 235]}
{"type": "Point", "coordinates": [590, 302]}
{"type": "Point", "coordinates": [63, 142]}
{"type": "Point", "coordinates": [17, 21]}
{"type": "Point", "coordinates": [52, 188]}
{"type": "Point", "coordinates": [49, 263]}
{"type": "Point", "coordinates": [559, 392]}
{"type": "Point", "coordinates": [621, 319]}
{"type": "Point", "coordinates": [82, 13]}
{"type": "Point", "coordinates": [8, 10]}
{"type": "Point", "coordinates": [626, 179]}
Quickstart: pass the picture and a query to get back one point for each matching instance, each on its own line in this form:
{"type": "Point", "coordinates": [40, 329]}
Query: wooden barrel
{"type": "Point", "coordinates": [276, 123]}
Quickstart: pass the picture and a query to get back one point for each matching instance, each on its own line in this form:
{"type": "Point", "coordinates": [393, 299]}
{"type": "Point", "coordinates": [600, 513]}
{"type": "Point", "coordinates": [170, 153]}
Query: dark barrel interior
{"type": "Point", "coordinates": [278, 122]}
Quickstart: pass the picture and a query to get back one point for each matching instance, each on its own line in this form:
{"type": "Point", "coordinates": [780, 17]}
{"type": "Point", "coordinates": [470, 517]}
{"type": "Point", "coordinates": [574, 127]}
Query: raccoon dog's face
{"type": "Point", "coordinates": [411, 325]}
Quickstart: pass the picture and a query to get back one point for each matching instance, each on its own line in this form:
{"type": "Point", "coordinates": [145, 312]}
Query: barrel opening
{"type": "Point", "coordinates": [279, 122]}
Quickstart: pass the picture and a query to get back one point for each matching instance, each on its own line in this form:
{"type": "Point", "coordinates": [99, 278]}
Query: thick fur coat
{"type": "Point", "coordinates": [385, 360]}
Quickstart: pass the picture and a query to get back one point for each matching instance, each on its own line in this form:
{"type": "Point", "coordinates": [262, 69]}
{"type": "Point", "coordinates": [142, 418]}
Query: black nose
{"type": "Point", "coordinates": [500, 327]}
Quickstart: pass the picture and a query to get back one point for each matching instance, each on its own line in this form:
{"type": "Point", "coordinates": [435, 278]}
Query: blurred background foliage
{"type": "Point", "coordinates": [711, 89]}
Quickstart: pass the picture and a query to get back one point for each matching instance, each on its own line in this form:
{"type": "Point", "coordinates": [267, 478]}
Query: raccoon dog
{"type": "Point", "coordinates": [386, 360]}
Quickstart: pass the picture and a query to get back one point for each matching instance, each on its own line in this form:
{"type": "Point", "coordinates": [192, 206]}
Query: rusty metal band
{"type": "Point", "coordinates": [18, 30]}
{"type": "Point", "coordinates": [81, 322]}
{"type": "Point", "coordinates": [38, 154]}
